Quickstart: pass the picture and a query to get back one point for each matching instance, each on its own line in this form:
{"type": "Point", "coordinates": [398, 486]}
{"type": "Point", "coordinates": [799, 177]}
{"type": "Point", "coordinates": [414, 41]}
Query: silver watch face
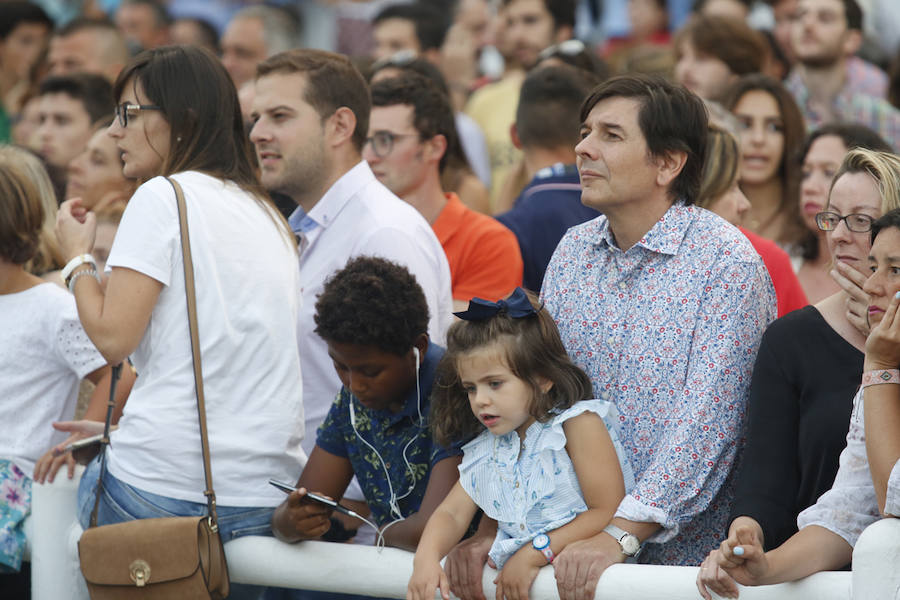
{"type": "Point", "coordinates": [630, 544]}
{"type": "Point", "coordinates": [541, 541]}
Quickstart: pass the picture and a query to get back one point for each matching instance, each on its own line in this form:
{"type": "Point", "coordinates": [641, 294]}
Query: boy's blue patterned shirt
{"type": "Point", "coordinates": [389, 433]}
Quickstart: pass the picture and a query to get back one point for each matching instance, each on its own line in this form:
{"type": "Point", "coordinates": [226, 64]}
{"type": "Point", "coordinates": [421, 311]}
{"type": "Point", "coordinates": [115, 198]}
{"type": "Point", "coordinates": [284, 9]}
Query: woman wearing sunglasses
{"type": "Point", "coordinates": [178, 116]}
{"type": "Point", "coordinates": [807, 371]}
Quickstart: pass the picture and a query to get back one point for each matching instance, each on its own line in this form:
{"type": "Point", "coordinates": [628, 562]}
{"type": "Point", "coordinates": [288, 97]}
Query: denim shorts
{"type": "Point", "coordinates": [121, 502]}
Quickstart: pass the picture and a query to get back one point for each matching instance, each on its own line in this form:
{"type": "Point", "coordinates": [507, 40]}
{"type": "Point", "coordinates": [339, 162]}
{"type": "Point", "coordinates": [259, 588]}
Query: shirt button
{"type": "Point", "coordinates": [522, 526]}
{"type": "Point", "coordinates": [517, 484]}
{"type": "Point", "coordinates": [387, 465]}
{"type": "Point", "coordinates": [604, 396]}
{"type": "Point", "coordinates": [623, 286]}
{"type": "Point", "coordinates": [610, 340]}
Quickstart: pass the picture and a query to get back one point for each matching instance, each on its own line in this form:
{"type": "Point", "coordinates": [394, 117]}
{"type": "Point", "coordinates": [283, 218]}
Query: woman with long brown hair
{"type": "Point", "coordinates": [177, 116]}
{"type": "Point", "coordinates": [771, 133]}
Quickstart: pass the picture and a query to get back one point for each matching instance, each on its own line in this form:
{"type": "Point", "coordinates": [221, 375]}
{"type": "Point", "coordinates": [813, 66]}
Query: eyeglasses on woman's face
{"type": "Point", "coordinates": [125, 110]}
{"type": "Point", "coordinates": [856, 222]}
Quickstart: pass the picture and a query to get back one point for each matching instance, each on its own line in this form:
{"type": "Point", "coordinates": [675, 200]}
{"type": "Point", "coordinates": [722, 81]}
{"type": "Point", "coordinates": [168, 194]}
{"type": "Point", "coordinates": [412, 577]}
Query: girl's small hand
{"type": "Point", "coordinates": [426, 579]}
{"type": "Point", "coordinates": [851, 281]}
{"type": "Point", "coordinates": [515, 579]}
{"type": "Point", "coordinates": [45, 469]}
{"type": "Point", "coordinates": [883, 343]}
{"type": "Point", "coordinates": [76, 228]}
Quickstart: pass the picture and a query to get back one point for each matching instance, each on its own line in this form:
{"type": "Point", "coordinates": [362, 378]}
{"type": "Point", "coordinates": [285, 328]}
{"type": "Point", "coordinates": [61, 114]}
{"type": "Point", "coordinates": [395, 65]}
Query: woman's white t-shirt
{"type": "Point", "coordinates": [248, 296]}
{"type": "Point", "coordinates": [44, 355]}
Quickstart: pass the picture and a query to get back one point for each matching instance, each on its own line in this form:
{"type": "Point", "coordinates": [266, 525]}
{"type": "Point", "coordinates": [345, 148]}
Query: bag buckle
{"type": "Point", "coordinates": [139, 571]}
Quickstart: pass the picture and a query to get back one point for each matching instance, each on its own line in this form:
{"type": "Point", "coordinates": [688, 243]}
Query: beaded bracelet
{"type": "Point", "coordinates": [880, 376]}
{"type": "Point", "coordinates": [75, 277]}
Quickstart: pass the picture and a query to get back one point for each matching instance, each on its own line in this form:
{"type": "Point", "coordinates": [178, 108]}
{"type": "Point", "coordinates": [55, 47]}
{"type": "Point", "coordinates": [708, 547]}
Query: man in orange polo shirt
{"type": "Point", "coordinates": [410, 129]}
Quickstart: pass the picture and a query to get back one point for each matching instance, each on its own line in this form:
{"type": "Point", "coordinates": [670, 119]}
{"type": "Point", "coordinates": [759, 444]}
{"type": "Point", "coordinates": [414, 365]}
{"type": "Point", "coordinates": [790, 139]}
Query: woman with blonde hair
{"type": "Point", "coordinates": [807, 371]}
{"type": "Point", "coordinates": [44, 355]}
{"type": "Point", "coordinates": [48, 257]}
{"type": "Point", "coordinates": [720, 193]}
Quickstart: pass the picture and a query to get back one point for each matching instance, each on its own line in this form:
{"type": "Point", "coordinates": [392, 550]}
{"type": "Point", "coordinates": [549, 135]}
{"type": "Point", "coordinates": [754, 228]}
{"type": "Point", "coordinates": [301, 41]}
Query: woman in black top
{"type": "Point", "coordinates": [807, 371]}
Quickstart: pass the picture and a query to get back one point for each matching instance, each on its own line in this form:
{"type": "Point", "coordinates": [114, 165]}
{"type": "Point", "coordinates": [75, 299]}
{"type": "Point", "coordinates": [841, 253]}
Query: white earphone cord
{"type": "Point", "coordinates": [394, 499]}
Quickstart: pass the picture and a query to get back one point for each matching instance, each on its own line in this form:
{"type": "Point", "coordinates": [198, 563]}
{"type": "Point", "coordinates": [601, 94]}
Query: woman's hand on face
{"type": "Point", "coordinates": [851, 281]}
{"type": "Point", "coordinates": [76, 228]}
{"type": "Point", "coordinates": [883, 343]}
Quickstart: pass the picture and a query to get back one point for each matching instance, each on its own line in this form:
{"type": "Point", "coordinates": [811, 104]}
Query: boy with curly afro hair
{"type": "Point", "coordinates": [373, 316]}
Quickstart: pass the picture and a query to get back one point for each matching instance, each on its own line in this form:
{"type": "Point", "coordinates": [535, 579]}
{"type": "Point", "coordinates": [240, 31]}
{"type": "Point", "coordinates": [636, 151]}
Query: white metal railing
{"type": "Point", "coordinates": [347, 568]}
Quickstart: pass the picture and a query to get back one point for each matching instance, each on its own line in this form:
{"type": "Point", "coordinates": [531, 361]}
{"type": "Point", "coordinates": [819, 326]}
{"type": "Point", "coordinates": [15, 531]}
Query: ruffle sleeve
{"type": "Point", "coordinates": [610, 415]}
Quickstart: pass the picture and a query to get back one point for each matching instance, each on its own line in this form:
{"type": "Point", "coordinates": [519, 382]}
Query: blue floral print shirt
{"type": "Point", "coordinates": [668, 331]}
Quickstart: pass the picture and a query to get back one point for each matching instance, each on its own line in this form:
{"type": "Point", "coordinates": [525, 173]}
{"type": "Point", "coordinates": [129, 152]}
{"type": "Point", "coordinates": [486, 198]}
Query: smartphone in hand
{"type": "Point", "coordinates": [287, 488]}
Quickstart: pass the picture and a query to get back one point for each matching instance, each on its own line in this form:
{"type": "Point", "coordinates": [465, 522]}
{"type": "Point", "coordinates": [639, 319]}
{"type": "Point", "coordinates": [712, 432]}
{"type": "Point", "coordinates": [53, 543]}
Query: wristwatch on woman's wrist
{"type": "Point", "coordinates": [76, 262]}
{"type": "Point", "coordinates": [630, 544]}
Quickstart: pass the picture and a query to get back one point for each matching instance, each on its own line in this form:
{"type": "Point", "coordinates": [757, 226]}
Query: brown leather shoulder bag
{"type": "Point", "coordinates": [177, 557]}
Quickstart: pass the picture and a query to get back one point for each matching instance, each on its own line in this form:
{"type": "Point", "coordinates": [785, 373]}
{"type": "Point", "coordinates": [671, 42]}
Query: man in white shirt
{"type": "Point", "coordinates": [311, 117]}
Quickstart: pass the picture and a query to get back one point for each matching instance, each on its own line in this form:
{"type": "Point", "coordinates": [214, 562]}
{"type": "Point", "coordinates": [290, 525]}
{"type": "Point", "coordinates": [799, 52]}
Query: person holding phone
{"type": "Point", "coordinates": [373, 316]}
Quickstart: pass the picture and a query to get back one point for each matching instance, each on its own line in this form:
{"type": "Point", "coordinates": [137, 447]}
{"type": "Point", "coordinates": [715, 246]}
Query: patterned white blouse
{"type": "Point", "coordinates": [851, 505]}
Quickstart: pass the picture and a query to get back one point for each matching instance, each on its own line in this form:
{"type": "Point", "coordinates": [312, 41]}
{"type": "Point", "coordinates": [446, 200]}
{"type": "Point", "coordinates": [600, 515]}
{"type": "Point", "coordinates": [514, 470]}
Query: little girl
{"type": "Point", "coordinates": [546, 464]}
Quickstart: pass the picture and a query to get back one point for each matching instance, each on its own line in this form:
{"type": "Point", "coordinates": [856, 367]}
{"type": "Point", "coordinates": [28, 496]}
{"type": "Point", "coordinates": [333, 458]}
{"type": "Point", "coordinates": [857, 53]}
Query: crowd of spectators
{"type": "Point", "coordinates": [698, 199]}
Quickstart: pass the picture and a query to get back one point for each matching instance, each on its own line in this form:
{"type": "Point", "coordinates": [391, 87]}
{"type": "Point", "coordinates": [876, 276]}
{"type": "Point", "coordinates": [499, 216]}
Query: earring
{"type": "Point", "coordinates": [178, 139]}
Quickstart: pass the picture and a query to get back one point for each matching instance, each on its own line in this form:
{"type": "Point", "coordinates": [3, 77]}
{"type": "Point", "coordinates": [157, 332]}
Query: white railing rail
{"type": "Point", "coordinates": [347, 568]}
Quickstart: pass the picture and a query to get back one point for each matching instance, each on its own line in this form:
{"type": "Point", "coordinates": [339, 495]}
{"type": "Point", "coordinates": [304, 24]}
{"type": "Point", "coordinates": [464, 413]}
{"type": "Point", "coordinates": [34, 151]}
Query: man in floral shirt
{"type": "Point", "coordinates": [663, 304]}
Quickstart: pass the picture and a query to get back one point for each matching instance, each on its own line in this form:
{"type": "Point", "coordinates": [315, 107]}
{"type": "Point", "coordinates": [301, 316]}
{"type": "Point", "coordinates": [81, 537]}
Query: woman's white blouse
{"type": "Point", "coordinates": [538, 491]}
{"type": "Point", "coordinates": [851, 505]}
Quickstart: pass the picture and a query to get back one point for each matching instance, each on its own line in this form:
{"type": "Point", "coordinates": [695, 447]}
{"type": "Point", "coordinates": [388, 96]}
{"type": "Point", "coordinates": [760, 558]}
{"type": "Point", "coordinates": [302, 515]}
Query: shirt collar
{"type": "Point", "coordinates": [336, 197]}
{"type": "Point", "coordinates": [666, 235]}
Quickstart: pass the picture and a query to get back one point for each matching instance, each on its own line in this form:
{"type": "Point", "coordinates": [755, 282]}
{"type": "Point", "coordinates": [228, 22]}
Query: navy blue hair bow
{"type": "Point", "coordinates": [516, 306]}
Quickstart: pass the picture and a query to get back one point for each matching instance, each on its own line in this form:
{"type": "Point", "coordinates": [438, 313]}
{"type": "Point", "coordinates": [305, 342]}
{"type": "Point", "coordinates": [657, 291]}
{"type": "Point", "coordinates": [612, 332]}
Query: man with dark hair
{"type": "Point", "coordinates": [144, 23]}
{"type": "Point", "coordinates": [69, 106]}
{"type": "Point", "coordinates": [311, 118]}
{"type": "Point", "coordinates": [829, 82]}
{"type": "Point", "coordinates": [418, 27]}
{"type": "Point", "coordinates": [546, 130]}
{"type": "Point", "coordinates": [663, 305]}
{"type": "Point", "coordinates": [711, 53]}
{"type": "Point", "coordinates": [90, 46]}
{"type": "Point", "coordinates": [529, 26]}
{"type": "Point", "coordinates": [410, 131]}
